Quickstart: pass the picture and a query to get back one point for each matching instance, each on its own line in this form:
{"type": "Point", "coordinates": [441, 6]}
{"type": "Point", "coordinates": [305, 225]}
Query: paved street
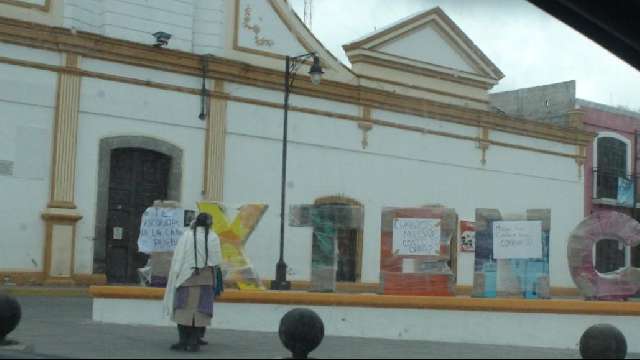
{"type": "Point", "coordinates": [62, 327]}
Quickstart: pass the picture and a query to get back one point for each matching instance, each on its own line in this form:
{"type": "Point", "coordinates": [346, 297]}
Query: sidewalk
{"type": "Point", "coordinates": [62, 327]}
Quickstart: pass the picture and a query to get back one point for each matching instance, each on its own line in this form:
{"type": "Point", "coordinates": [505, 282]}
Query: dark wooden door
{"type": "Point", "coordinates": [137, 178]}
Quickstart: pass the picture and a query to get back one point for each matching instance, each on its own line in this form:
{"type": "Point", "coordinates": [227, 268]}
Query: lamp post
{"type": "Point", "coordinates": [315, 72]}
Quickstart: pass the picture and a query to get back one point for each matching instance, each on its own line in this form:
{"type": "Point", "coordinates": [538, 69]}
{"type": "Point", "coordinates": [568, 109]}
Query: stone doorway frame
{"type": "Point", "coordinates": [107, 145]}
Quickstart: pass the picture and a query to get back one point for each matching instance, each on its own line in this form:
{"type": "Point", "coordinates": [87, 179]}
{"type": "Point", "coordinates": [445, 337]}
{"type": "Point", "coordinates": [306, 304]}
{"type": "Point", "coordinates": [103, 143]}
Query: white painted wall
{"type": "Point", "coordinates": [559, 331]}
{"type": "Point", "coordinates": [113, 109]}
{"type": "Point", "coordinates": [399, 168]}
{"type": "Point", "coordinates": [27, 101]}
{"type": "Point", "coordinates": [195, 25]}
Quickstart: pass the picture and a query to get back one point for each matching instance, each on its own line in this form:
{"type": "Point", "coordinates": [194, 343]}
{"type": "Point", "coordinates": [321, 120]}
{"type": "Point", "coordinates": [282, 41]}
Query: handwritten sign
{"type": "Point", "coordinates": [517, 239]}
{"type": "Point", "coordinates": [416, 236]}
{"type": "Point", "coordinates": [160, 229]}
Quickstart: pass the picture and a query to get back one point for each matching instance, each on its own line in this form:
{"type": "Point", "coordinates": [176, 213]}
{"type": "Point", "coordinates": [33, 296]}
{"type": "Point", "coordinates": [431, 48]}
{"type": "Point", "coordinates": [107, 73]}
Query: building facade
{"type": "Point", "coordinates": [97, 123]}
{"type": "Point", "coordinates": [610, 178]}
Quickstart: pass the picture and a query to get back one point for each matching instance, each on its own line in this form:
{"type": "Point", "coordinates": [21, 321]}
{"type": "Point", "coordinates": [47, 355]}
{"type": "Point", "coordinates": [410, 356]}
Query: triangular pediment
{"type": "Point", "coordinates": [429, 40]}
{"type": "Point", "coordinates": [429, 44]}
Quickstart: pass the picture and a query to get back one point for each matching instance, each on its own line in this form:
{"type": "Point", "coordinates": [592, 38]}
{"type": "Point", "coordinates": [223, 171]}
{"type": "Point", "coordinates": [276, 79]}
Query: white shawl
{"type": "Point", "coordinates": [184, 262]}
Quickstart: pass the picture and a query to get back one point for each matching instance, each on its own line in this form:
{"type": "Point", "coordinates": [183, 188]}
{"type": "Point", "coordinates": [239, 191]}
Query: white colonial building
{"type": "Point", "coordinates": [96, 123]}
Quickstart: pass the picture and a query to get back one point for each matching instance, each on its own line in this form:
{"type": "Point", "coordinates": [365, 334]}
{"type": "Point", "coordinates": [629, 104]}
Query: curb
{"type": "Point", "coordinates": [79, 292]}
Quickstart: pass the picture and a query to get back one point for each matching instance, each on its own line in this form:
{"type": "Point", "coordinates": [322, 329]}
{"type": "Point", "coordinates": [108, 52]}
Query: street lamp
{"type": "Point", "coordinates": [315, 72]}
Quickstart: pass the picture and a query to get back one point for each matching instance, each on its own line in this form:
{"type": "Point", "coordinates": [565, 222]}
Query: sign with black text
{"type": "Point", "coordinates": [160, 229]}
{"type": "Point", "coordinates": [517, 239]}
{"type": "Point", "coordinates": [418, 237]}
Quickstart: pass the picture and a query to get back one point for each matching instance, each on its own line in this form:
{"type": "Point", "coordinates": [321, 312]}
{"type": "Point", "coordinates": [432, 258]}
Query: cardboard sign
{"type": "Point", "coordinates": [160, 229]}
{"type": "Point", "coordinates": [517, 239]}
{"type": "Point", "coordinates": [416, 236]}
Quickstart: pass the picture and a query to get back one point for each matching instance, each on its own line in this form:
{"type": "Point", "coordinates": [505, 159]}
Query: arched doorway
{"type": "Point", "coordinates": [349, 243]}
{"type": "Point", "coordinates": [134, 172]}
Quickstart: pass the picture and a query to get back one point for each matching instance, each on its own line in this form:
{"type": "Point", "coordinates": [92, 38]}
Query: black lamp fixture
{"type": "Point", "coordinates": [315, 72]}
{"type": "Point", "coordinates": [162, 39]}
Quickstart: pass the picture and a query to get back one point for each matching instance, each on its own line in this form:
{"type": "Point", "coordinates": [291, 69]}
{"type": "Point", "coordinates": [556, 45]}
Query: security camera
{"type": "Point", "coordinates": [162, 39]}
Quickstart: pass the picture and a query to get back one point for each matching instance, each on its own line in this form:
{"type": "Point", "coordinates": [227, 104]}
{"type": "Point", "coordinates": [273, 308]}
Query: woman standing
{"type": "Point", "coordinates": [189, 295]}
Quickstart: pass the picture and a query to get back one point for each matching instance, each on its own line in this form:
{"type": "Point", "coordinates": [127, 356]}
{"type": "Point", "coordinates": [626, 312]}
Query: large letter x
{"type": "Point", "coordinates": [233, 238]}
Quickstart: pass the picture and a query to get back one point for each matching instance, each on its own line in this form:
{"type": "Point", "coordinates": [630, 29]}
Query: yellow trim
{"type": "Point", "coordinates": [418, 70]}
{"type": "Point", "coordinates": [22, 277]}
{"type": "Point", "coordinates": [425, 89]}
{"type": "Point", "coordinates": [580, 307]}
{"type": "Point", "coordinates": [121, 51]}
{"type": "Point", "coordinates": [330, 114]}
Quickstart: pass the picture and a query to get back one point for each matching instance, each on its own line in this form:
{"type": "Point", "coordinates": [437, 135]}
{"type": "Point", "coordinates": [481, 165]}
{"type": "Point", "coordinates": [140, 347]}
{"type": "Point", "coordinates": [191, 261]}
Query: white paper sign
{"type": "Point", "coordinates": [117, 233]}
{"type": "Point", "coordinates": [160, 229]}
{"type": "Point", "coordinates": [517, 239]}
{"type": "Point", "coordinates": [416, 236]}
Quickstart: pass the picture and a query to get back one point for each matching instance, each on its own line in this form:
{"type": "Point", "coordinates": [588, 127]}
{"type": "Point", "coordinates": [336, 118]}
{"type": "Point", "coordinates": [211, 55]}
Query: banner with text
{"type": "Point", "coordinates": [416, 236]}
{"type": "Point", "coordinates": [160, 229]}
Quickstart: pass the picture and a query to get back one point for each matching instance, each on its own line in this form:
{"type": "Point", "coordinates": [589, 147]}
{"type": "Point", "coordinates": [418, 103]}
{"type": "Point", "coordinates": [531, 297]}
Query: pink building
{"type": "Point", "coordinates": [611, 165]}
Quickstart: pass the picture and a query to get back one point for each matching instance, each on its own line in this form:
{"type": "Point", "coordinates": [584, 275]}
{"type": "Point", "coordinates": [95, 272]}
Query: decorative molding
{"type": "Point", "coordinates": [65, 135]}
{"type": "Point", "coordinates": [63, 216]}
{"type": "Point", "coordinates": [425, 89]}
{"type": "Point", "coordinates": [125, 52]}
{"type": "Point", "coordinates": [51, 221]}
{"type": "Point", "coordinates": [581, 157]}
{"type": "Point", "coordinates": [255, 29]}
{"type": "Point", "coordinates": [456, 73]}
{"type": "Point", "coordinates": [576, 118]}
{"type": "Point", "coordinates": [44, 8]}
{"type": "Point", "coordinates": [215, 146]}
{"type": "Point", "coordinates": [408, 68]}
{"type": "Point", "coordinates": [61, 205]}
{"type": "Point", "coordinates": [483, 144]}
{"type": "Point", "coordinates": [365, 126]}
{"type": "Point", "coordinates": [572, 141]}
{"type": "Point", "coordinates": [236, 43]}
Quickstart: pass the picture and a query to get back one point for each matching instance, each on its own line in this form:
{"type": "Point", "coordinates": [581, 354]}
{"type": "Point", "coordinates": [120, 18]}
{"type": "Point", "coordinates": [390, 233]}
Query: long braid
{"type": "Point", "coordinates": [195, 248]}
{"type": "Point", "coordinates": [203, 220]}
{"type": "Point", "coordinates": [206, 247]}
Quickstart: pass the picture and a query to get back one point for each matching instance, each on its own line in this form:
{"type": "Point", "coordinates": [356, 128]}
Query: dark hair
{"type": "Point", "coordinates": [203, 220]}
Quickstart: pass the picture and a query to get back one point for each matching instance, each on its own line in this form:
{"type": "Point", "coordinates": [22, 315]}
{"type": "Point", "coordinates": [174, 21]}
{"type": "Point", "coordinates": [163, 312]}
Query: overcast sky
{"type": "Point", "coordinates": [529, 46]}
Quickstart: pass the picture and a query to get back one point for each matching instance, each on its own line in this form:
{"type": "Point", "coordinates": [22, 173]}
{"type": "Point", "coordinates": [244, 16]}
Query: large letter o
{"type": "Point", "coordinates": [599, 226]}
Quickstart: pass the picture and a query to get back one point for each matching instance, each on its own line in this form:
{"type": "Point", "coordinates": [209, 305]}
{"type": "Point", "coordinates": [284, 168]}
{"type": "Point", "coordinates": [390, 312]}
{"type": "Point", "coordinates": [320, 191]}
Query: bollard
{"type": "Point", "coordinates": [301, 331]}
{"type": "Point", "coordinates": [10, 314]}
{"type": "Point", "coordinates": [603, 341]}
